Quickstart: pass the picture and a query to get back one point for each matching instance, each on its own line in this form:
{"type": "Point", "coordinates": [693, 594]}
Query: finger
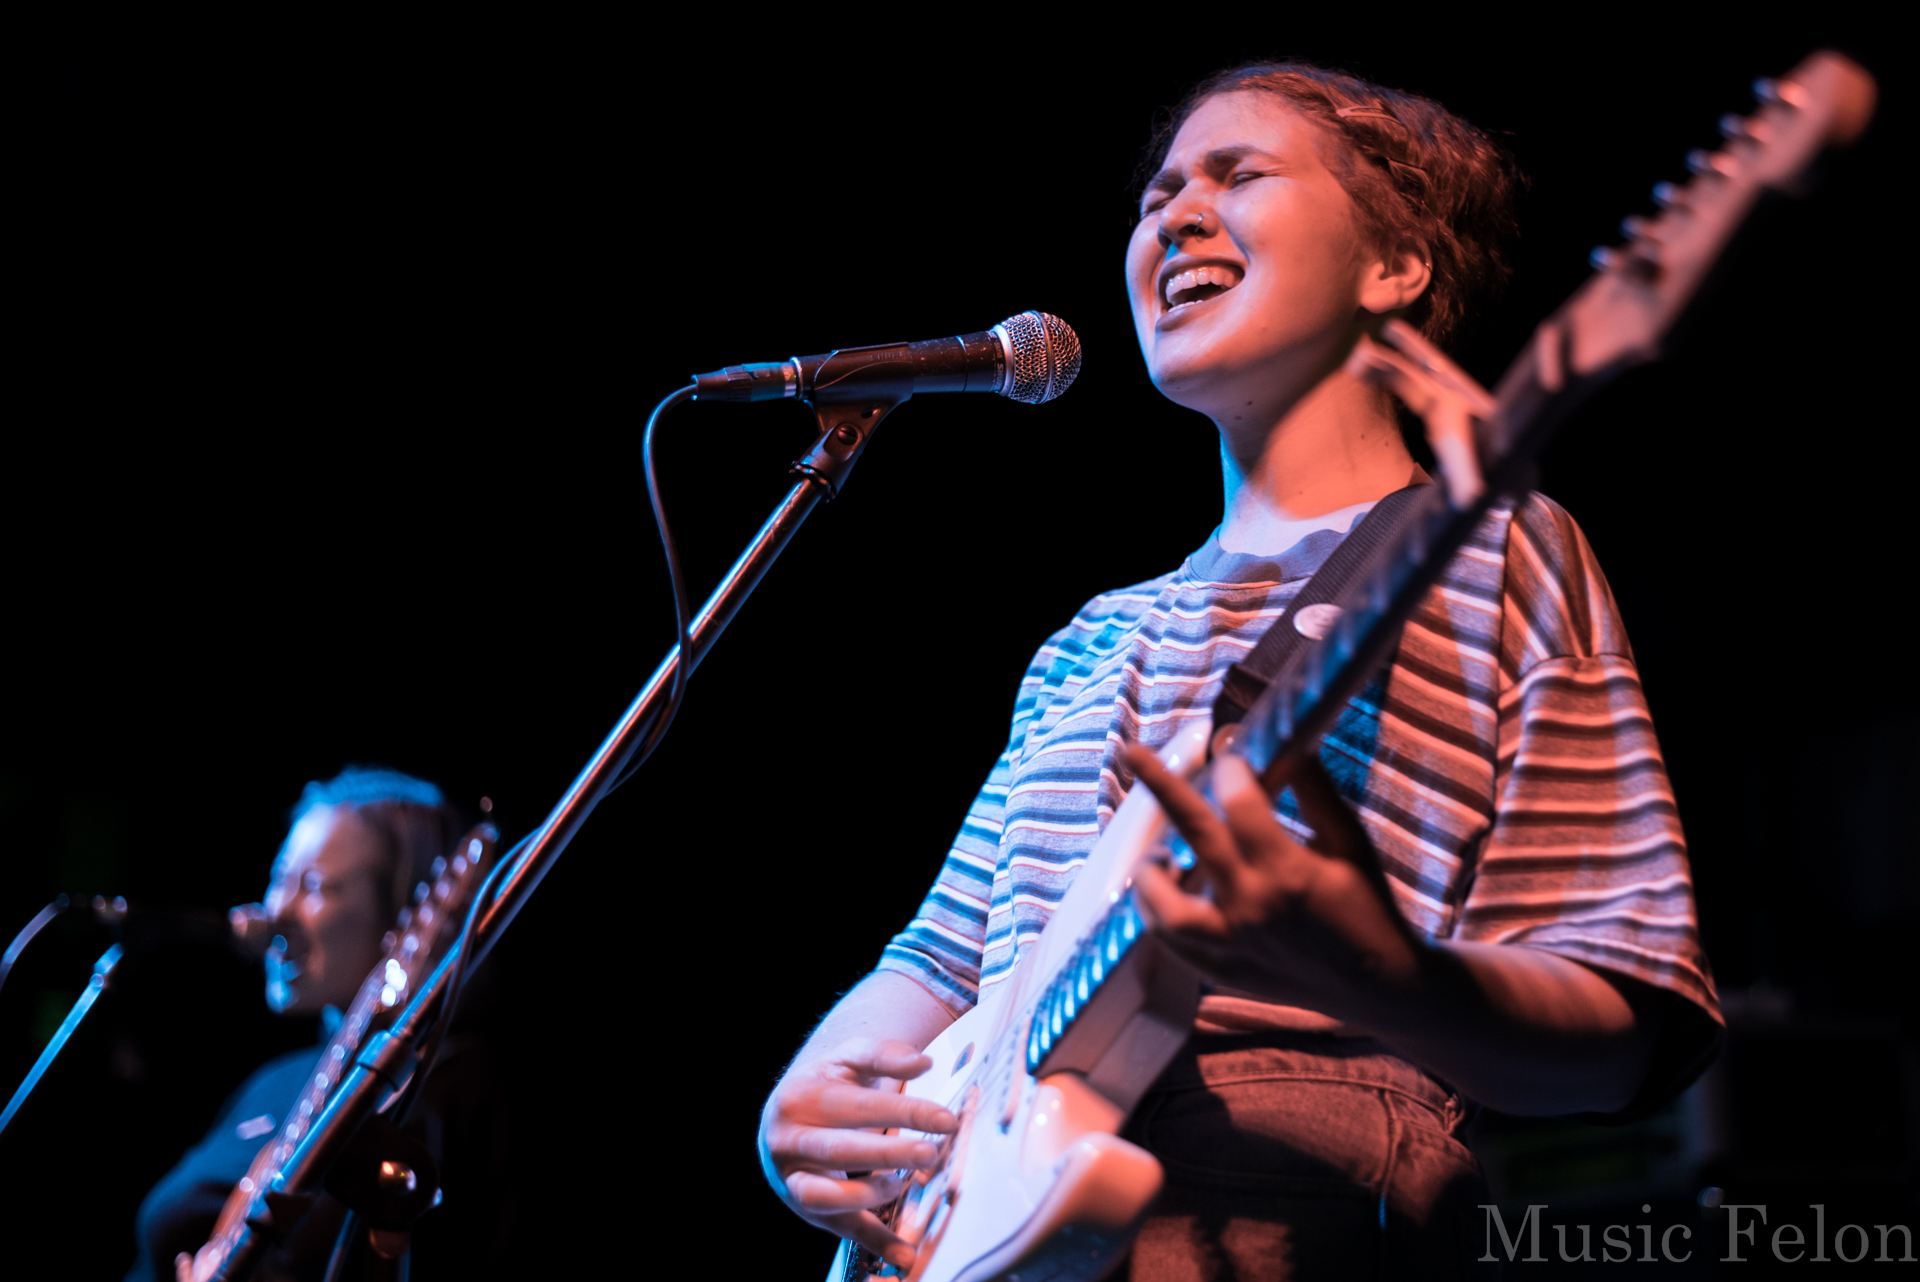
{"type": "Point", "coordinates": [1218, 959]}
{"type": "Point", "coordinates": [1171, 909]}
{"type": "Point", "coordinates": [1444, 411]}
{"type": "Point", "coordinates": [1249, 812]}
{"type": "Point", "coordinates": [1382, 367]}
{"type": "Point", "coordinates": [1438, 366]}
{"type": "Point", "coordinates": [870, 1058]}
{"type": "Point", "coordinates": [1336, 829]}
{"type": "Point", "coordinates": [1451, 436]}
{"type": "Point", "coordinates": [827, 1148]}
{"type": "Point", "coordinates": [1549, 343]}
{"type": "Point", "coordinates": [857, 1223]}
{"type": "Point", "coordinates": [1195, 819]}
{"type": "Point", "coordinates": [846, 1106]}
{"type": "Point", "coordinates": [816, 1194]}
{"type": "Point", "coordinates": [865, 1228]}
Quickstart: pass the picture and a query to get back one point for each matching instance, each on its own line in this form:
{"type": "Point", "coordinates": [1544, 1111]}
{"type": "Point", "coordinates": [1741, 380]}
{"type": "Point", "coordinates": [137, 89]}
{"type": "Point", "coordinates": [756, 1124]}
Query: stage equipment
{"type": "Point", "coordinates": [96, 984]}
{"type": "Point", "coordinates": [1032, 357]}
{"type": "Point", "coordinates": [1042, 1073]}
{"type": "Point", "coordinates": [135, 928]}
{"type": "Point", "coordinates": [39, 923]}
{"type": "Point", "coordinates": [850, 392]}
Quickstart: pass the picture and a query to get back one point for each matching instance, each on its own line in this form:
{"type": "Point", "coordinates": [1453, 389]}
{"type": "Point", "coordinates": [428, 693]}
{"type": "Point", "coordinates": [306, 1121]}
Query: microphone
{"type": "Point", "coordinates": [1032, 357]}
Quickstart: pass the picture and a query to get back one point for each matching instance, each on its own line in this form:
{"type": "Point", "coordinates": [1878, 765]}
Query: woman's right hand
{"type": "Point", "coordinates": [825, 1120]}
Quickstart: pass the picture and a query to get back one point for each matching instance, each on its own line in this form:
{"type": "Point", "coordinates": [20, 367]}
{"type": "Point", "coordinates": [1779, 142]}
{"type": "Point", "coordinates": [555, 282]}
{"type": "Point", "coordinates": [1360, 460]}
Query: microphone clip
{"type": "Point", "coordinates": [849, 393]}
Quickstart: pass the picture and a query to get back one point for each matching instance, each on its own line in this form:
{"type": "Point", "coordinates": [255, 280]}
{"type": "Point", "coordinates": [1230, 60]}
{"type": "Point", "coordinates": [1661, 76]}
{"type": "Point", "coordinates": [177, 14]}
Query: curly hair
{"type": "Point", "coordinates": [1417, 173]}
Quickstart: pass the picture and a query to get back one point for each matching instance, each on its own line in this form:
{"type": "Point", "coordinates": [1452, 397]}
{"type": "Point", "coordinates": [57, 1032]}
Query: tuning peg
{"type": "Point", "coordinates": [1667, 195]}
{"type": "Point", "coordinates": [1638, 261]}
{"type": "Point", "coordinates": [1779, 92]}
{"type": "Point", "coordinates": [1733, 126]}
{"type": "Point", "coordinates": [1702, 161]}
{"type": "Point", "coordinates": [1633, 227]}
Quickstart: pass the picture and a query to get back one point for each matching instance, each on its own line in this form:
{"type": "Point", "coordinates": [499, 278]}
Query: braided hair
{"type": "Point", "coordinates": [1417, 174]}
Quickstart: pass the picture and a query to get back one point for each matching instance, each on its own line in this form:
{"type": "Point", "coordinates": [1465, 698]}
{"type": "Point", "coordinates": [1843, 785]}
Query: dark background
{"type": "Point", "coordinates": [331, 350]}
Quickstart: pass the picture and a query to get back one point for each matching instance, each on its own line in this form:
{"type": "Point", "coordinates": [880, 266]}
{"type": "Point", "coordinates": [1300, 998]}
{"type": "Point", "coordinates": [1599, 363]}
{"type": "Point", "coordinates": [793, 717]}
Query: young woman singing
{"type": "Point", "coordinates": [1304, 240]}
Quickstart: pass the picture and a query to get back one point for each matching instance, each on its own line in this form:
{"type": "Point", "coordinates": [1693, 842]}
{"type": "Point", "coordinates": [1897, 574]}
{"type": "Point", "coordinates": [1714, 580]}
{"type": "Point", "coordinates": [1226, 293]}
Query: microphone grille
{"type": "Point", "coordinates": [1043, 356]}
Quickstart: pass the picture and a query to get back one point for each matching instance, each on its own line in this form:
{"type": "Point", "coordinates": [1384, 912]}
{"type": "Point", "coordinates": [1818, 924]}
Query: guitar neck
{"type": "Point", "coordinates": [1409, 554]}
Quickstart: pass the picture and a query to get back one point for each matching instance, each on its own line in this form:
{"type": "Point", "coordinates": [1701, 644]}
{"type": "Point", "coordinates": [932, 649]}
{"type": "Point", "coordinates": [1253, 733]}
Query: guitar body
{"type": "Point", "coordinates": [1042, 1073]}
{"type": "Point", "coordinates": [1051, 1191]}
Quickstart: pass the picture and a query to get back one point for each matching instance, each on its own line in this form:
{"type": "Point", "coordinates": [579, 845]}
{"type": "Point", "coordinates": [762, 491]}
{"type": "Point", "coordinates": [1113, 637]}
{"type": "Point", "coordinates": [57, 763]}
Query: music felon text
{"type": "Point", "coordinates": [1748, 1231]}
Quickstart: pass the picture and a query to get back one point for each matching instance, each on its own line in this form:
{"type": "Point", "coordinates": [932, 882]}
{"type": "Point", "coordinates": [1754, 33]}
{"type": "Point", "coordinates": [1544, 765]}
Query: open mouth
{"type": "Point", "coordinates": [1197, 285]}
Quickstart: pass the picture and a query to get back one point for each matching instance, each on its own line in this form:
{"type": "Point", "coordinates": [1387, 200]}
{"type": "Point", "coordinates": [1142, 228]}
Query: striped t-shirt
{"type": "Point", "coordinates": [1505, 765]}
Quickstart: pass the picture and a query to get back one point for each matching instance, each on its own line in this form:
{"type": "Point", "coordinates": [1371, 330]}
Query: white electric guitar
{"type": "Point", "coordinates": [1036, 1184]}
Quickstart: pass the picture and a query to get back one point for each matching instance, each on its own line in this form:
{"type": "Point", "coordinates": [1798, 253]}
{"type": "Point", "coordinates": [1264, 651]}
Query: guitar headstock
{"type": "Point", "coordinates": [427, 925]}
{"type": "Point", "coordinates": [1640, 288]}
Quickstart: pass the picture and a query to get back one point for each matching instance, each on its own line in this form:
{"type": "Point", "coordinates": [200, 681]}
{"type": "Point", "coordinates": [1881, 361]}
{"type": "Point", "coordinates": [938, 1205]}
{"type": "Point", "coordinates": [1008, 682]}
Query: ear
{"type": "Point", "coordinates": [1393, 282]}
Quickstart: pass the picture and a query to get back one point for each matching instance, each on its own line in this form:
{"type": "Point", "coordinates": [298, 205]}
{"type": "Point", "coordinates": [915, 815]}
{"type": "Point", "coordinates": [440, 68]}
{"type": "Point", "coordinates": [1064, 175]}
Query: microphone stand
{"type": "Point", "coordinates": [383, 1070]}
{"type": "Point", "coordinates": [96, 985]}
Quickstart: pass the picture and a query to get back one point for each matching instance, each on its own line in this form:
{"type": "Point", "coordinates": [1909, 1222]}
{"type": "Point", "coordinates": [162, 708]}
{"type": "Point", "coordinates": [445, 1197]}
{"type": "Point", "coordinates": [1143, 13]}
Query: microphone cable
{"type": "Point", "coordinates": [676, 693]}
{"type": "Point", "coordinates": [682, 623]}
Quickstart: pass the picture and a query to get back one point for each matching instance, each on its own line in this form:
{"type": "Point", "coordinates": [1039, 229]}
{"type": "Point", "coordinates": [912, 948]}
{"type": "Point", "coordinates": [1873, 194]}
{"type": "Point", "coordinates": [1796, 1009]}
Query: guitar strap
{"type": "Point", "coordinates": [1248, 679]}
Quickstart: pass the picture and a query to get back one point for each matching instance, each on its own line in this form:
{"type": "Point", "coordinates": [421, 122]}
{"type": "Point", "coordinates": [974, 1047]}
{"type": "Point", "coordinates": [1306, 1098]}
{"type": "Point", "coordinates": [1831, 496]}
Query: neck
{"type": "Point", "coordinates": [1335, 448]}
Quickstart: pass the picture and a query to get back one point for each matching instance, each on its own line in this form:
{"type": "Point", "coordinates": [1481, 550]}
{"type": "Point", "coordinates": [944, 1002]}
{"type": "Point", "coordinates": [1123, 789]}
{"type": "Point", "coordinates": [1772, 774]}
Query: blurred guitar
{"type": "Point", "coordinates": [1042, 1073]}
{"type": "Point", "coordinates": [420, 936]}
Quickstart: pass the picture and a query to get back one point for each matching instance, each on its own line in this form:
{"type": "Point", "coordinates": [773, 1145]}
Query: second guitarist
{"type": "Point", "coordinates": [357, 847]}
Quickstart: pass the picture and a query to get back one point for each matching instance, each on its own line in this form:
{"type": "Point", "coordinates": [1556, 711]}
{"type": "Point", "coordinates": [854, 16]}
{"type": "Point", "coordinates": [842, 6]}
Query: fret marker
{"type": "Point", "coordinates": [254, 1127]}
{"type": "Point", "coordinates": [1315, 621]}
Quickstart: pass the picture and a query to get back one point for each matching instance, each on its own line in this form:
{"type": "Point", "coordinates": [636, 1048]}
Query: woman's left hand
{"type": "Point", "coordinates": [1446, 398]}
{"type": "Point", "coordinates": [1300, 925]}
{"type": "Point", "coordinates": [1518, 1028]}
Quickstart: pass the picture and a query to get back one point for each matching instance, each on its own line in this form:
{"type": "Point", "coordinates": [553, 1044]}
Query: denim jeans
{"type": "Point", "coordinates": [1301, 1155]}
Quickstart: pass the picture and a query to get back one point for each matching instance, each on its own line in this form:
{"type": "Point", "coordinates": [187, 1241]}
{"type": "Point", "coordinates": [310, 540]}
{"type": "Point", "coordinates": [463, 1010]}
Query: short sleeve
{"type": "Point", "coordinates": [1586, 857]}
{"type": "Point", "coordinates": [943, 946]}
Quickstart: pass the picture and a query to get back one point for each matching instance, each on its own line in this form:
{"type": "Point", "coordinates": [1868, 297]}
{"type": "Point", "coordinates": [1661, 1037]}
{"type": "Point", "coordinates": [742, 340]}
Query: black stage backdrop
{"type": "Point", "coordinates": [330, 357]}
